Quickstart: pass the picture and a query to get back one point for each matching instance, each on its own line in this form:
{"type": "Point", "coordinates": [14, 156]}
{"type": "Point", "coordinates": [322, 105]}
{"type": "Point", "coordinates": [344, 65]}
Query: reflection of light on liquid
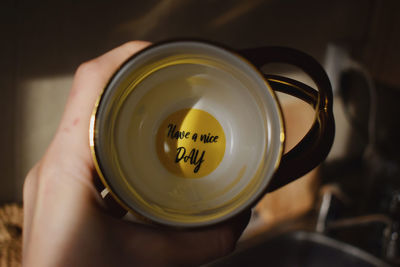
{"type": "Point", "coordinates": [166, 147]}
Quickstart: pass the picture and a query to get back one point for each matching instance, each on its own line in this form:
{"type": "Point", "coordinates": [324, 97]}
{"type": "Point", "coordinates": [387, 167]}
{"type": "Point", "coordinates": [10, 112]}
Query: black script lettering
{"type": "Point", "coordinates": [192, 157]}
{"type": "Point", "coordinates": [208, 138]}
{"type": "Point", "coordinates": [171, 130]}
{"type": "Point", "coordinates": [176, 134]}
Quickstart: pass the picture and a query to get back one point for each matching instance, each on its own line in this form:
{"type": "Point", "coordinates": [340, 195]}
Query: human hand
{"type": "Point", "coordinates": [65, 220]}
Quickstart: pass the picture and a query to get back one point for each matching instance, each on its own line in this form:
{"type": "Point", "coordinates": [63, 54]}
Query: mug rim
{"type": "Point", "coordinates": [145, 217]}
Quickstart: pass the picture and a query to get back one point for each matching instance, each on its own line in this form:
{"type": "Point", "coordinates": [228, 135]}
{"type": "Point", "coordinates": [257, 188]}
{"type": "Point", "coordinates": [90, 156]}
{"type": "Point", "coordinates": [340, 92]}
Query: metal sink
{"type": "Point", "coordinates": [299, 248]}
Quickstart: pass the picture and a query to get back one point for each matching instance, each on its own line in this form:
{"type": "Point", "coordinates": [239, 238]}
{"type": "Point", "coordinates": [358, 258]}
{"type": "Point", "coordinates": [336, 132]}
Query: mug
{"type": "Point", "coordinates": [188, 133]}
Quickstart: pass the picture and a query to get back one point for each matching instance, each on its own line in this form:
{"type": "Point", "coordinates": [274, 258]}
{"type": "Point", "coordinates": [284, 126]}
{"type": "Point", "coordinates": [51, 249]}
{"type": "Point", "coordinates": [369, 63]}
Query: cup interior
{"type": "Point", "coordinates": [187, 134]}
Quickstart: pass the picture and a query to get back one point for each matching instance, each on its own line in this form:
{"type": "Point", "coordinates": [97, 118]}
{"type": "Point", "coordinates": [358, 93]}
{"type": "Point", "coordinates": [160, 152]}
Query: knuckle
{"type": "Point", "coordinates": [49, 166]}
{"type": "Point", "coordinates": [135, 44]}
{"type": "Point", "coordinates": [87, 68]}
{"type": "Point", "coordinates": [133, 47]}
{"type": "Point", "coordinates": [30, 179]}
{"type": "Point", "coordinates": [32, 174]}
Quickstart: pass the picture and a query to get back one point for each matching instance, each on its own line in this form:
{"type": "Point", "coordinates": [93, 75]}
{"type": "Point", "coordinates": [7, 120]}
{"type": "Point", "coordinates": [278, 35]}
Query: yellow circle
{"type": "Point", "coordinates": [190, 143]}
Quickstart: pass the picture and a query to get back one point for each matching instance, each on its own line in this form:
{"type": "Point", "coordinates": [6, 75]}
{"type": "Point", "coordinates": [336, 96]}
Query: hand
{"type": "Point", "coordinates": [65, 220]}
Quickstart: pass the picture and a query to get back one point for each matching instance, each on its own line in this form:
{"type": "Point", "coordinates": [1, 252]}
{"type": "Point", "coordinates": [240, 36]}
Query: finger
{"type": "Point", "coordinates": [89, 81]}
{"type": "Point", "coordinates": [113, 207]}
{"type": "Point", "coordinates": [179, 247]}
{"type": "Point", "coordinates": [110, 205]}
{"type": "Point", "coordinates": [98, 184]}
{"type": "Point", "coordinates": [201, 246]}
{"type": "Point", "coordinates": [29, 199]}
{"type": "Point", "coordinates": [67, 167]}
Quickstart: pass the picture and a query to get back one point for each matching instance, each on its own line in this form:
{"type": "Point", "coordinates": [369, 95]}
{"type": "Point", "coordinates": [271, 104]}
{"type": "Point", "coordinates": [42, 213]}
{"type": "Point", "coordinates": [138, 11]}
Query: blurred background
{"type": "Point", "coordinates": [353, 198]}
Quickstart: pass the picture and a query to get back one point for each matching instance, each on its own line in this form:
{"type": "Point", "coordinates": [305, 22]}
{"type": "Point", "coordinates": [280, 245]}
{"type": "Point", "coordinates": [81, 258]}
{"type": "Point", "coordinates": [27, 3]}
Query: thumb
{"type": "Point", "coordinates": [183, 247]}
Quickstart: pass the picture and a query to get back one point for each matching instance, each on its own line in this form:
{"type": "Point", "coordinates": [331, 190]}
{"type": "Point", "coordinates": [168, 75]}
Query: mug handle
{"type": "Point", "coordinates": [316, 144]}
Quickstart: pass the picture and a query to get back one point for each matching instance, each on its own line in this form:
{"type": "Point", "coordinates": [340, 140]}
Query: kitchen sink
{"type": "Point", "coordinates": [300, 248]}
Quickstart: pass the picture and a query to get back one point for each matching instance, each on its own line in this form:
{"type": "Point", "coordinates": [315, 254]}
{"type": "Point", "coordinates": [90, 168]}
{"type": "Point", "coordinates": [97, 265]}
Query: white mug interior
{"type": "Point", "coordinates": [178, 76]}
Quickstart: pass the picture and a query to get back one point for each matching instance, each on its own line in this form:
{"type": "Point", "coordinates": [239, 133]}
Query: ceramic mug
{"type": "Point", "coordinates": [188, 133]}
